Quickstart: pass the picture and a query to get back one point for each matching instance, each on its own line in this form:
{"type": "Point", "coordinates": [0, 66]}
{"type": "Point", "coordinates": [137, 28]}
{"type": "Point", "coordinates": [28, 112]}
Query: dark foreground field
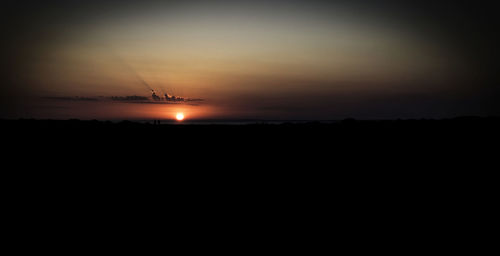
{"type": "Point", "coordinates": [103, 132]}
{"type": "Point", "coordinates": [347, 138]}
{"type": "Point", "coordinates": [368, 151]}
{"type": "Point", "coordinates": [432, 181]}
{"type": "Point", "coordinates": [466, 143]}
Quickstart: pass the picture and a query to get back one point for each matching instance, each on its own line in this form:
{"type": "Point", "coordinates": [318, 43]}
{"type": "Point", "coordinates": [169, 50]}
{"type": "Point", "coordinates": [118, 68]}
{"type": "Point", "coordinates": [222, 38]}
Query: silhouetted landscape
{"type": "Point", "coordinates": [385, 155]}
{"type": "Point", "coordinates": [361, 175]}
{"type": "Point", "coordinates": [311, 126]}
{"type": "Point", "coordinates": [327, 133]}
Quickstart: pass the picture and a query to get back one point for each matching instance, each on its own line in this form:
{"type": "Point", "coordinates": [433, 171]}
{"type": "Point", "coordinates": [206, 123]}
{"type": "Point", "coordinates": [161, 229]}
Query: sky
{"type": "Point", "coordinates": [269, 60]}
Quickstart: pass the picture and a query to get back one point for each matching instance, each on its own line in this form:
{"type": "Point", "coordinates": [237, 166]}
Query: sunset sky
{"type": "Point", "coordinates": [307, 60]}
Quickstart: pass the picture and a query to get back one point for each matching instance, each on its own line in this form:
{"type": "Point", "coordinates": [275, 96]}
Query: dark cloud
{"type": "Point", "coordinates": [129, 98]}
{"type": "Point", "coordinates": [72, 98]}
{"type": "Point", "coordinates": [124, 99]}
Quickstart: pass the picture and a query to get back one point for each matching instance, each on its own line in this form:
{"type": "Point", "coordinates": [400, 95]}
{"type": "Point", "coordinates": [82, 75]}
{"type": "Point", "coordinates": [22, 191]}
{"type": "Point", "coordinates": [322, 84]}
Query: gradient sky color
{"type": "Point", "coordinates": [249, 59]}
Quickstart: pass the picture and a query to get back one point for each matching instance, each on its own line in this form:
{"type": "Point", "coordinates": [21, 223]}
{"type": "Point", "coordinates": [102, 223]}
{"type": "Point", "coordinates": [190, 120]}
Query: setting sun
{"type": "Point", "coordinates": [179, 116]}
